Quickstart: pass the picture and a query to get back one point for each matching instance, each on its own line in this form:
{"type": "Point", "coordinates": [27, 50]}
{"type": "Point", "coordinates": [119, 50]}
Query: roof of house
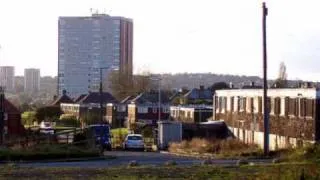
{"type": "Point", "coordinates": [151, 98]}
{"type": "Point", "coordinates": [94, 97]}
{"type": "Point", "coordinates": [280, 92]}
{"type": "Point", "coordinates": [10, 108]}
{"type": "Point", "coordinates": [127, 100]}
{"type": "Point", "coordinates": [196, 93]}
{"type": "Point", "coordinates": [79, 98]}
{"type": "Point", "coordinates": [62, 99]}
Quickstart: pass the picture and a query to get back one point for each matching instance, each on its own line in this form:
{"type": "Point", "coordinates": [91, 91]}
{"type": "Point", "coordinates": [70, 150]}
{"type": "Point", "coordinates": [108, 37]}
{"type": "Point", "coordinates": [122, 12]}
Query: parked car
{"type": "Point", "coordinates": [46, 127]}
{"type": "Point", "coordinates": [101, 134]}
{"type": "Point", "coordinates": [133, 141]}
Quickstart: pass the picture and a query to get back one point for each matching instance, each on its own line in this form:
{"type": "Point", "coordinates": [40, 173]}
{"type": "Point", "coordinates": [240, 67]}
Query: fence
{"type": "Point", "coordinates": [65, 136]}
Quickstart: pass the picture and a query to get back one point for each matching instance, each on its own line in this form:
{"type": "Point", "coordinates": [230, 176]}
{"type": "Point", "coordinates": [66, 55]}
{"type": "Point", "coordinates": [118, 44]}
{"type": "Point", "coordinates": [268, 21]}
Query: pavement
{"type": "Point", "coordinates": [142, 158]}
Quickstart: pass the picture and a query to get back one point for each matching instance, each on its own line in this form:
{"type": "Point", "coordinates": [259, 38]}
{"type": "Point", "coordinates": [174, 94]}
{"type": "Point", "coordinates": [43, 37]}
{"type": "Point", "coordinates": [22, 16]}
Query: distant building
{"type": "Point", "coordinates": [7, 78]}
{"type": "Point", "coordinates": [88, 105]}
{"type": "Point", "coordinates": [87, 44]}
{"type": "Point", "coordinates": [31, 80]}
{"type": "Point", "coordinates": [191, 114]}
{"type": "Point", "coordinates": [117, 113]}
{"type": "Point", "coordinates": [198, 96]}
{"type": "Point", "coordinates": [145, 108]}
{"type": "Point", "coordinates": [12, 118]}
{"type": "Point", "coordinates": [294, 115]}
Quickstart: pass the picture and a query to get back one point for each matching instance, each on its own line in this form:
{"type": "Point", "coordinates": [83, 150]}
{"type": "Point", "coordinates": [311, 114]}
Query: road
{"type": "Point", "coordinates": [124, 157]}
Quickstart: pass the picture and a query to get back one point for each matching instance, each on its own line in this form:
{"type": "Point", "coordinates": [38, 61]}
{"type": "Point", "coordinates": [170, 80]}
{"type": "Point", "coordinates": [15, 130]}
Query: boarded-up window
{"type": "Point", "coordinates": [297, 107]}
{"type": "Point", "coordinates": [303, 107]}
{"type": "Point", "coordinates": [242, 104]}
{"type": "Point", "coordinates": [220, 104]}
{"type": "Point", "coordinates": [225, 103]}
{"type": "Point", "coordinates": [286, 106]}
{"type": "Point", "coordinates": [251, 103]}
{"type": "Point", "coordinates": [292, 106]}
{"type": "Point", "coordinates": [310, 107]}
{"type": "Point", "coordinates": [216, 103]}
{"type": "Point", "coordinates": [260, 104]}
{"type": "Point", "coordinates": [277, 106]}
{"type": "Point", "coordinates": [231, 103]}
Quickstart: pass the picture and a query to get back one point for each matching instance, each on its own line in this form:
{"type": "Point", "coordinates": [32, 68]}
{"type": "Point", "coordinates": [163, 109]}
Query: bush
{"type": "Point", "coordinates": [232, 147]}
{"type": "Point", "coordinates": [68, 120]}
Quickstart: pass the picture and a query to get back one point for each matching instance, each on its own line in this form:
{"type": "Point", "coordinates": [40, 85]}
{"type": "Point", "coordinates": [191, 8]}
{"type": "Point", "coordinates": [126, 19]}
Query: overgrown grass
{"type": "Point", "coordinates": [308, 153]}
{"type": "Point", "coordinates": [221, 148]}
{"type": "Point", "coordinates": [283, 171]}
{"type": "Point", "coordinates": [46, 152]}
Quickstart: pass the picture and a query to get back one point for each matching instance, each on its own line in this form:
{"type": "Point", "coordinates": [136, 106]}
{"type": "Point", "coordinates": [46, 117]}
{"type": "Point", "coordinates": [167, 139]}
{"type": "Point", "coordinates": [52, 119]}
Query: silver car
{"type": "Point", "coordinates": [133, 141]}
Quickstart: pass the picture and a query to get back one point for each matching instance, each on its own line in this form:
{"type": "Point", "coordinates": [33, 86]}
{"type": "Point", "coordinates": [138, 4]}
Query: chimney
{"type": "Point", "coordinates": [231, 86]}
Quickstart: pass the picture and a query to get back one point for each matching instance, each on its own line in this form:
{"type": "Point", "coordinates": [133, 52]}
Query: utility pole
{"type": "Point", "coordinates": [159, 100]}
{"type": "Point", "coordinates": [1, 115]}
{"type": "Point", "coordinates": [100, 92]}
{"type": "Point", "coordinates": [265, 85]}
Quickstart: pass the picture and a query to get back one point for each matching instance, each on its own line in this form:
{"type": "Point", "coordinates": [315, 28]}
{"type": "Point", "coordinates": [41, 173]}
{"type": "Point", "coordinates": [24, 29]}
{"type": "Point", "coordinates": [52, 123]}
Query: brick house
{"type": "Point", "coordinates": [12, 117]}
{"type": "Point", "coordinates": [145, 108]}
{"type": "Point", "coordinates": [294, 115]}
{"type": "Point", "coordinates": [117, 113]}
{"type": "Point", "coordinates": [88, 105]}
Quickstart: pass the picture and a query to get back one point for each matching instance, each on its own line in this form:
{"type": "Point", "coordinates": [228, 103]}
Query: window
{"type": "Point", "coordinates": [231, 104]}
{"type": "Point", "coordinates": [277, 106]}
{"type": "Point", "coordinates": [154, 110]}
{"type": "Point", "coordinates": [292, 107]}
{"type": "Point", "coordinates": [242, 104]}
{"type": "Point", "coordinates": [303, 107]}
{"type": "Point", "coordinates": [142, 110]}
{"type": "Point", "coordinates": [310, 107]}
{"type": "Point", "coordinates": [250, 105]}
{"type": "Point", "coordinates": [166, 110]}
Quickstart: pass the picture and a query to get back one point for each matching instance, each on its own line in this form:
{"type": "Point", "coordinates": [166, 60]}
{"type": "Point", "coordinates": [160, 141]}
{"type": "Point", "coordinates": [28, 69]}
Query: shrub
{"type": "Point", "coordinates": [68, 120]}
{"type": "Point", "coordinates": [232, 147]}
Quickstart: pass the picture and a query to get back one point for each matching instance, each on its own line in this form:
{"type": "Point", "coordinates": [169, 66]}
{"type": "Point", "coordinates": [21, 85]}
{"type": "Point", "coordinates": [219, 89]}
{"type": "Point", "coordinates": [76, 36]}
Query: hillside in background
{"type": "Point", "coordinates": [193, 80]}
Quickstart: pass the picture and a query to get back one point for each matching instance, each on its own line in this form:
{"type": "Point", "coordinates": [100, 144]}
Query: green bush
{"type": "Point", "coordinates": [28, 117]}
{"type": "Point", "coordinates": [68, 120]}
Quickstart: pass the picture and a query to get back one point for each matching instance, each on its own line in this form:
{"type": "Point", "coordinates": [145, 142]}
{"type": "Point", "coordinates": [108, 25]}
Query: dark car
{"type": "Point", "coordinates": [101, 135]}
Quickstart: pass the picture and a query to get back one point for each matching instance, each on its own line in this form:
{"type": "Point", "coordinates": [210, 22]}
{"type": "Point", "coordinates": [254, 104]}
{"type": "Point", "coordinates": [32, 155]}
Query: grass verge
{"type": "Point", "coordinates": [283, 171]}
{"type": "Point", "coordinates": [47, 152]}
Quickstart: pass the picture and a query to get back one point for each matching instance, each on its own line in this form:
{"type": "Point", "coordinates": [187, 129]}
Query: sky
{"type": "Point", "coordinates": [172, 36]}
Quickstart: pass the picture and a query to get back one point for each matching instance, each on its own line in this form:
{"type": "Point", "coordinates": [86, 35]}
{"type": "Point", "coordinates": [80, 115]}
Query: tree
{"type": "Point", "coordinates": [218, 85]}
{"type": "Point", "coordinates": [48, 113]}
{"type": "Point", "coordinates": [121, 86]}
{"type": "Point", "coordinates": [28, 117]}
{"type": "Point", "coordinates": [281, 81]}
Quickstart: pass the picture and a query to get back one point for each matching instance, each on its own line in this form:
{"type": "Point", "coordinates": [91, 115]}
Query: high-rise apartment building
{"type": "Point", "coordinates": [31, 80]}
{"type": "Point", "coordinates": [90, 44]}
{"type": "Point", "coordinates": [7, 78]}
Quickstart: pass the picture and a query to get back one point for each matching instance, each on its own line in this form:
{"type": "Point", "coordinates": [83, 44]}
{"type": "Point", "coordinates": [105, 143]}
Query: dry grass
{"type": "Point", "coordinates": [225, 148]}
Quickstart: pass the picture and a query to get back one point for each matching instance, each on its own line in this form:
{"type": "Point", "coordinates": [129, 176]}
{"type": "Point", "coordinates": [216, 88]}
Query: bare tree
{"type": "Point", "coordinates": [121, 86]}
{"type": "Point", "coordinates": [281, 81]}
